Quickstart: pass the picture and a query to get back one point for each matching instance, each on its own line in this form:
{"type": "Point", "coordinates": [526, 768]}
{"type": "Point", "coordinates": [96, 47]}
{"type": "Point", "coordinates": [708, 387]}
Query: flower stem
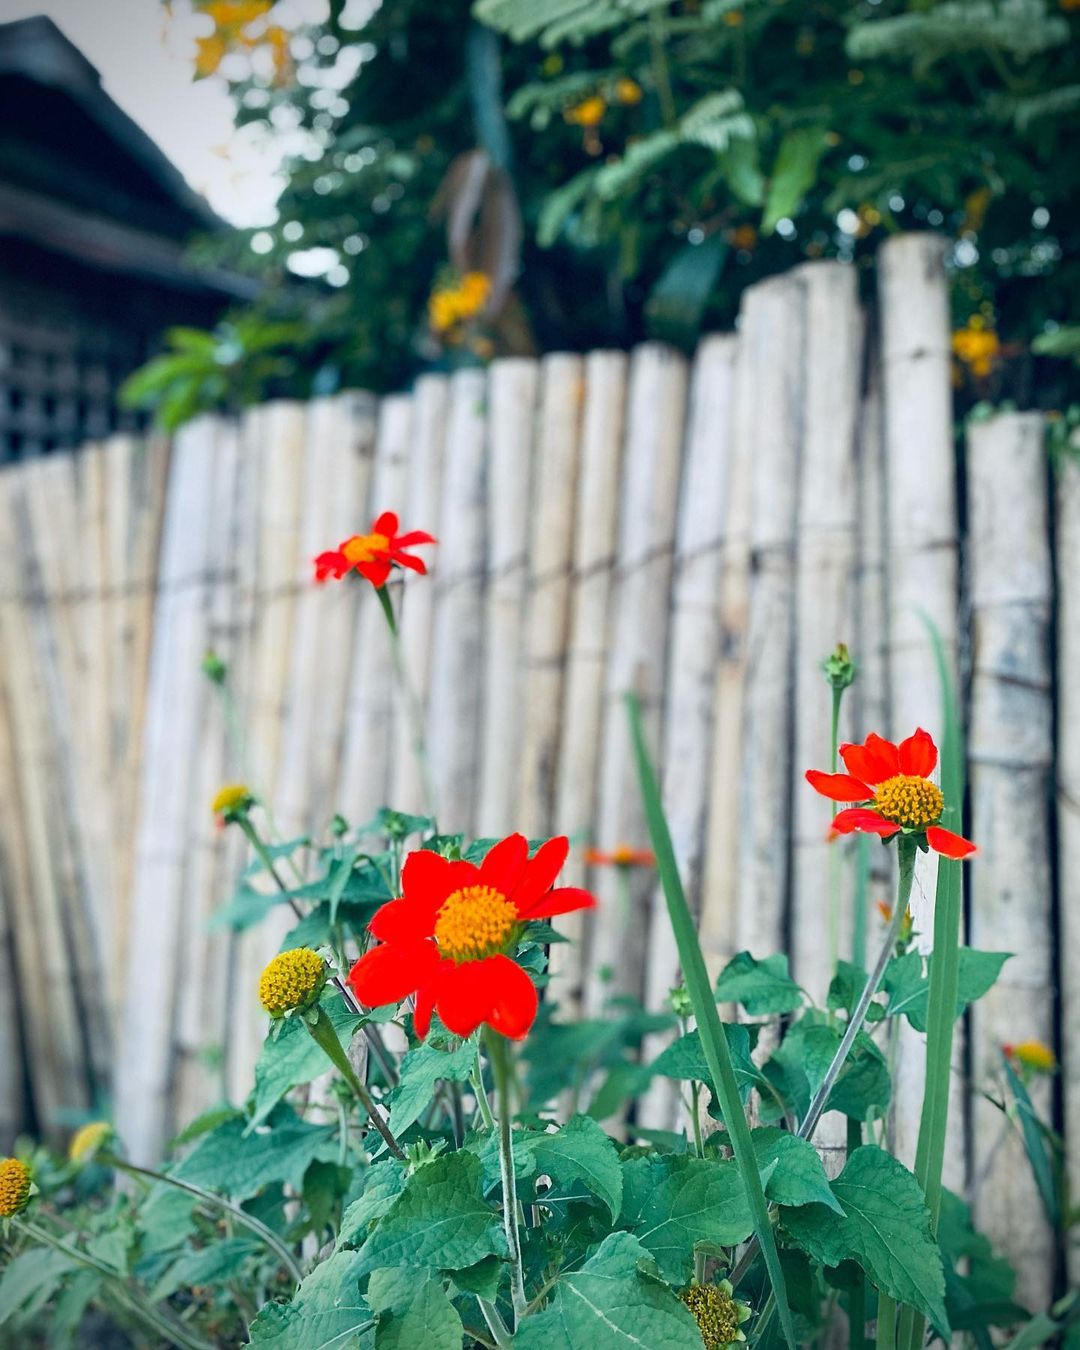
{"type": "Point", "coordinates": [498, 1328]}
{"type": "Point", "coordinates": [482, 1103]}
{"type": "Point", "coordinates": [413, 713]}
{"type": "Point", "coordinates": [499, 1055]}
{"type": "Point", "coordinates": [240, 1216]}
{"type": "Point", "coordinates": [323, 1034]}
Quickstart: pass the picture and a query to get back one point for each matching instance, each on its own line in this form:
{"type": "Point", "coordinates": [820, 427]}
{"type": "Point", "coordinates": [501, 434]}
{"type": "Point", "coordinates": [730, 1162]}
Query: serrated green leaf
{"type": "Point", "coordinates": [760, 986]}
{"type": "Point", "coordinates": [413, 1311]}
{"type": "Point", "coordinates": [383, 1183]}
{"type": "Point", "coordinates": [221, 1260]}
{"type": "Point", "coordinates": [685, 1059]}
{"type": "Point", "coordinates": [326, 1313]}
{"type": "Point", "coordinates": [291, 1057]}
{"type": "Point", "coordinates": [31, 1278]}
{"type": "Point", "coordinates": [671, 1204]}
{"type": "Point", "coordinates": [613, 1302]}
{"type": "Point", "coordinates": [909, 990]}
{"type": "Point", "coordinates": [421, 1069]}
{"type": "Point", "coordinates": [885, 1228]}
{"type": "Point", "coordinates": [166, 1218]}
{"type": "Point", "coordinates": [845, 989]}
{"type": "Point", "coordinates": [581, 1151]}
{"type": "Point", "coordinates": [798, 1176]}
{"type": "Point", "coordinates": [230, 1160]}
{"type": "Point", "coordinates": [440, 1219]}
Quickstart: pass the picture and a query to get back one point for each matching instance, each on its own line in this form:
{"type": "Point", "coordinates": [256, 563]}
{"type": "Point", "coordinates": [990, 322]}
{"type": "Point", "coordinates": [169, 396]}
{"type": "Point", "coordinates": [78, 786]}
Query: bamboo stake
{"type": "Point", "coordinates": [551, 542]}
{"type": "Point", "coordinates": [512, 416]}
{"type": "Point", "coordinates": [1011, 756]}
{"type": "Point", "coordinates": [636, 659]}
{"type": "Point", "coordinates": [595, 537]}
{"type": "Point", "coordinates": [694, 651]}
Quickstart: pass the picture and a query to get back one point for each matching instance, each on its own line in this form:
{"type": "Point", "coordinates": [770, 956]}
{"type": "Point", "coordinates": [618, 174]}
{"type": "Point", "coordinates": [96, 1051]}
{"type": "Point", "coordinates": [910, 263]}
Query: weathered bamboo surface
{"type": "Point", "coordinates": [703, 531]}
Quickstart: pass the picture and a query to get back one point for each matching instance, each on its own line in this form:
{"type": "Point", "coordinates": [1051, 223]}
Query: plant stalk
{"type": "Point", "coordinates": [499, 1055]}
{"type": "Point", "coordinates": [413, 713]}
{"type": "Point", "coordinates": [323, 1034]}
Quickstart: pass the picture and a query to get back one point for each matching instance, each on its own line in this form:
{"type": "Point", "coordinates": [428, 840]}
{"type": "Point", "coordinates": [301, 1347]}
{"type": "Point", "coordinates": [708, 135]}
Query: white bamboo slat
{"type": "Point", "coordinates": [694, 651]}
{"type": "Point", "coordinates": [457, 655]}
{"type": "Point", "coordinates": [1010, 750]}
{"type": "Point", "coordinates": [512, 421]}
{"type": "Point", "coordinates": [547, 612]}
{"type": "Point", "coordinates": [595, 537]}
{"type": "Point", "coordinates": [640, 603]}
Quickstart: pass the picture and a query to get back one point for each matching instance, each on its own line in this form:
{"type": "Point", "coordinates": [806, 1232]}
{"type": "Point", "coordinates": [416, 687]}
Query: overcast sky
{"type": "Point", "coordinates": [145, 64]}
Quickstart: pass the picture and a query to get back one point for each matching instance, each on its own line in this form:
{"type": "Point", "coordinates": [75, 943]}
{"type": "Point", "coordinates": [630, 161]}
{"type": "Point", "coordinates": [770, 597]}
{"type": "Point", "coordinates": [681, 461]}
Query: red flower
{"type": "Point", "coordinates": [446, 939]}
{"type": "Point", "coordinates": [892, 789]}
{"type": "Point", "coordinates": [374, 554]}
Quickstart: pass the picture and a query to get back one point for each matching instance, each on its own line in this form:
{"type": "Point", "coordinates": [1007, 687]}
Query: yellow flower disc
{"type": "Point", "coordinates": [231, 797]}
{"type": "Point", "coordinates": [14, 1187]}
{"type": "Point", "coordinates": [716, 1313]}
{"type": "Point", "coordinates": [86, 1141]}
{"type": "Point", "coordinates": [291, 980]}
{"type": "Point", "coordinates": [1034, 1055]}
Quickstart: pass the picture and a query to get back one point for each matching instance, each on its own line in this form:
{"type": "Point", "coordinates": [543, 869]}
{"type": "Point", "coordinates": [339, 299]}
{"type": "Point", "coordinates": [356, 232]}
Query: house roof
{"type": "Point", "coordinates": [79, 177]}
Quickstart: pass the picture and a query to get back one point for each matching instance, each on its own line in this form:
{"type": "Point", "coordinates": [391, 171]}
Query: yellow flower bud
{"type": "Point", "coordinates": [291, 980]}
{"type": "Point", "coordinates": [14, 1187]}
{"type": "Point", "coordinates": [86, 1141]}
{"type": "Point", "coordinates": [232, 800]}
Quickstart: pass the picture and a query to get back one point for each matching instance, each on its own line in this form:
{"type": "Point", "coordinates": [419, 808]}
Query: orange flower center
{"type": "Point", "coordinates": [363, 548]}
{"type": "Point", "coordinates": [910, 801]}
{"type": "Point", "coordinates": [475, 922]}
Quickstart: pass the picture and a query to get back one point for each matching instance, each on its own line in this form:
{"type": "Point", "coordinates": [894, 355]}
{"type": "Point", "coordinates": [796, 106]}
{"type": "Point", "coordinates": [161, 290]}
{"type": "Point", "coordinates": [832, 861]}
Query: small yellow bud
{"type": "Point", "coordinates": [232, 800]}
{"type": "Point", "coordinates": [14, 1187]}
{"type": "Point", "coordinates": [1033, 1055]}
{"type": "Point", "coordinates": [717, 1313]}
{"type": "Point", "coordinates": [292, 979]}
{"type": "Point", "coordinates": [86, 1141]}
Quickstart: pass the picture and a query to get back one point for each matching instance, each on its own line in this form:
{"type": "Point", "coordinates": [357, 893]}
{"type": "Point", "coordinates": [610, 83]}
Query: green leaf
{"type": "Point", "coordinates": [231, 1160]}
{"type": "Point", "coordinates": [886, 1228]}
{"type": "Point", "coordinates": [326, 1311]}
{"type": "Point", "coordinates": [166, 1218]}
{"type": "Point", "coordinates": [794, 173]}
{"type": "Point", "coordinates": [383, 1183]}
{"type": "Point", "coordinates": [483, 1279]}
{"type": "Point", "coordinates": [613, 1302]}
{"type": "Point", "coordinates": [441, 1219]}
{"type": "Point", "coordinates": [221, 1260]}
{"type": "Point", "coordinates": [798, 1176]}
{"type": "Point", "coordinates": [760, 986]}
{"type": "Point", "coordinates": [677, 302]}
{"type": "Point", "coordinates": [413, 1311]}
{"type": "Point", "coordinates": [685, 1059]}
{"type": "Point", "coordinates": [1031, 1131]}
{"type": "Point", "coordinates": [909, 992]}
{"type": "Point", "coordinates": [30, 1279]}
{"type": "Point", "coordinates": [673, 1203]}
{"type": "Point", "coordinates": [292, 1057]}
{"type": "Point", "coordinates": [421, 1069]}
{"type": "Point", "coordinates": [581, 1151]}
{"type": "Point", "coordinates": [981, 1296]}
{"type": "Point", "coordinates": [846, 988]}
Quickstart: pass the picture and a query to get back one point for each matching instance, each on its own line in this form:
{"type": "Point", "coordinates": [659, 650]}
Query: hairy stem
{"type": "Point", "coordinates": [499, 1055]}
{"type": "Point", "coordinates": [323, 1033]}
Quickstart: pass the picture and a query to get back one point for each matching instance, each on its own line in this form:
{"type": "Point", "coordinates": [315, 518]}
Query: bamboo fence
{"type": "Point", "coordinates": [702, 531]}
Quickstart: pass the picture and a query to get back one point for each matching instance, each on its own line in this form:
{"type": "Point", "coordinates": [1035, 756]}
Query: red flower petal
{"type": "Point", "coordinates": [562, 900]}
{"type": "Point", "coordinates": [858, 818]}
{"type": "Point", "coordinates": [540, 873]}
{"type": "Point", "coordinates": [494, 990]}
{"type": "Point", "coordinates": [390, 972]}
{"type": "Point", "coordinates": [873, 761]}
{"type": "Point", "coordinates": [408, 560]}
{"type": "Point", "coordinates": [404, 921]}
{"type": "Point", "coordinates": [949, 844]}
{"type": "Point", "coordinates": [331, 564]}
{"type": "Point", "coordinates": [505, 864]}
{"type": "Point", "coordinates": [918, 754]}
{"type": "Point", "coordinates": [838, 787]}
{"type": "Point", "coordinates": [428, 878]}
{"type": "Point", "coordinates": [425, 1006]}
{"type": "Point", "coordinates": [413, 538]}
{"type": "Point", "coordinates": [386, 524]}
{"type": "Point", "coordinates": [376, 572]}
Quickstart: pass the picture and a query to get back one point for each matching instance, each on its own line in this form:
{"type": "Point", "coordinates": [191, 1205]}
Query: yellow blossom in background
{"type": "Point", "coordinates": [976, 205]}
{"type": "Point", "coordinates": [291, 980]}
{"type": "Point", "coordinates": [450, 305]}
{"type": "Point", "coordinates": [744, 237]}
{"type": "Point", "coordinates": [231, 798]}
{"type": "Point", "coordinates": [86, 1141]}
{"type": "Point", "coordinates": [977, 347]}
{"type": "Point", "coordinates": [235, 13]}
{"type": "Point", "coordinates": [1033, 1055]}
{"type": "Point", "coordinates": [588, 113]}
{"type": "Point", "coordinates": [717, 1313]}
{"type": "Point", "coordinates": [733, 18]}
{"type": "Point", "coordinates": [209, 54]}
{"type": "Point", "coordinates": [627, 91]}
{"type": "Point", "coordinates": [14, 1187]}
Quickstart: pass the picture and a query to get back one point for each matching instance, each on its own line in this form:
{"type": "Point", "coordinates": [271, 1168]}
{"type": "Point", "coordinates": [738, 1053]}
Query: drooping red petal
{"type": "Point", "coordinates": [425, 1005]}
{"type": "Point", "coordinates": [949, 844]}
{"type": "Point", "coordinates": [413, 563]}
{"type": "Point", "coordinates": [386, 524]}
{"type": "Point", "coordinates": [413, 538]}
{"type": "Point", "coordinates": [562, 900]}
{"type": "Point", "coordinates": [504, 865]}
{"type": "Point", "coordinates": [873, 761]}
{"type": "Point", "coordinates": [494, 990]}
{"type": "Point", "coordinates": [918, 754]}
{"type": "Point", "coordinates": [428, 878]}
{"type": "Point", "coordinates": [331, 564]}
{"type": "Point", "coordinates": [376, 572]}
{"type": "Point", "coordinates": [403, 921]}
{"type": "Point", "coordinates": [540, 873]}
{"type": "Point", "coordinates": [393, 970]}
{"type": "Point", "coordinates": [858, 818]}
{"type": "Point", "coordinates": [839, 787]}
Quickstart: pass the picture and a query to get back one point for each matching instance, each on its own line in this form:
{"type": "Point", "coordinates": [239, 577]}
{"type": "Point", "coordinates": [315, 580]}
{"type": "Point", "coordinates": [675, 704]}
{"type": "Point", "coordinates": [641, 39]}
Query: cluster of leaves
{"type": "Point", "coordinates": [759, 133]}
{"type": "Point", "coordinates": [402, 1253]}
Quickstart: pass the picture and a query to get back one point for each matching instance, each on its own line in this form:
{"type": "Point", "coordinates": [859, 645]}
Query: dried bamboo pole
{"type": "Point", "coordinates": [920, 492]}
{"type": "Point", "coordinates": [774, 337]}
{"type": "Point", "coordinates": [1011, 756]}
{"type": "Point", "coordinates": [595, 536]}
{"type": "Point", "coordinates": [694, 651]}
{"type": "Point", "coordinates": [512, 417]}
{"type": "Point", "coordinates": [144, 1077]}
{"type": "Point", "coordinates": [457, 658]}
{"type": "Point", "coordinates": [430, 402]}
{"type": "Point", "coordinates": [636, 660]}
{"type": "Point", "coordinates": [372, 697]}
{"type": "Point", "coordinates": [826, 551]}
{"type": "Point", "coordinates": [1068, 810]}
{"type": "Point", "coordinates": [547, 613]}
